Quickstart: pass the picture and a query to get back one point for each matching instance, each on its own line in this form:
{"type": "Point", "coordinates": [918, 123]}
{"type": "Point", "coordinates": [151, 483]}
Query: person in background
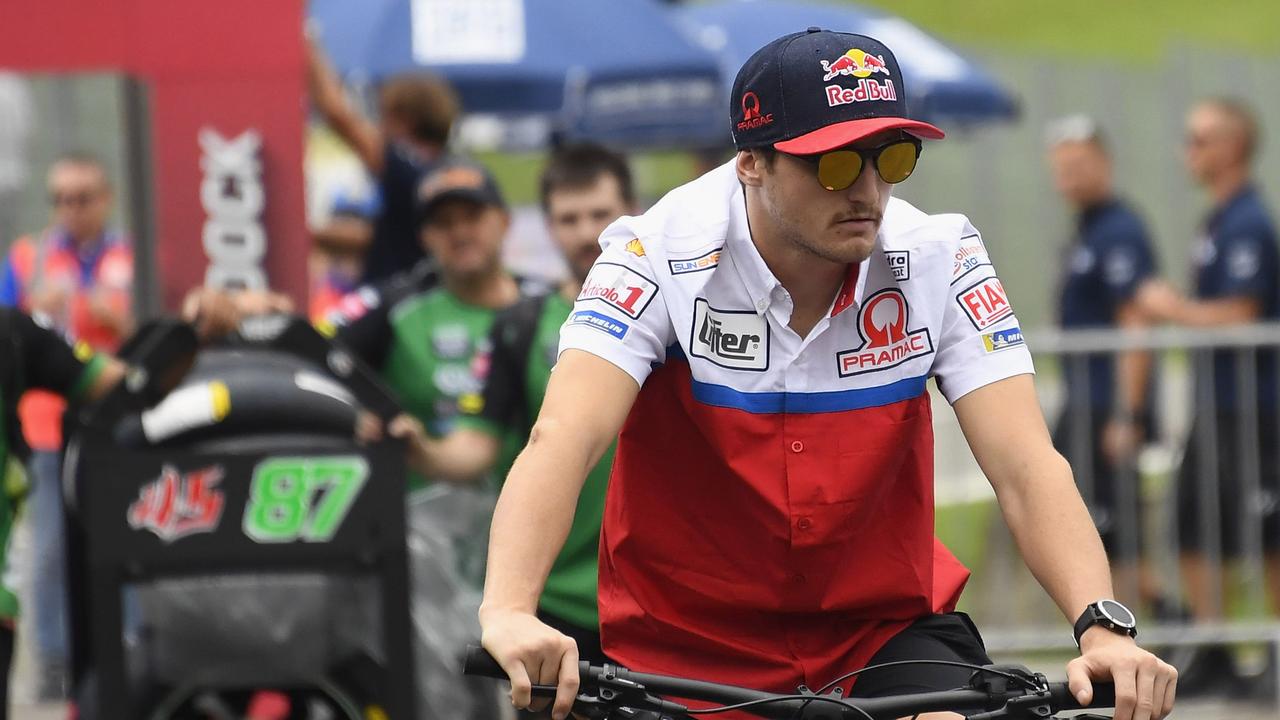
{"type": "Point", "coordinates": [584, 189]}
{"type": "Point", "coordinates": [416, 114]}
{"type": "Point", "coordinates": [1236, 265]}
{"type": "Point", "coordinates": [337, 252]}
{"type": "Point", "coordinates": [77, 278]}
{"type": "Point", "coordinates": [424, 336]}
{"type": "Point", "coordinates": [1107, 261]}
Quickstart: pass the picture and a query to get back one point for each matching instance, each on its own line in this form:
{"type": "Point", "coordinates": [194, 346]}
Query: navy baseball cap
{"type": "Point", "coordinates": [456, 179]}
{"type": "Point", "coordinates": [818, 90]}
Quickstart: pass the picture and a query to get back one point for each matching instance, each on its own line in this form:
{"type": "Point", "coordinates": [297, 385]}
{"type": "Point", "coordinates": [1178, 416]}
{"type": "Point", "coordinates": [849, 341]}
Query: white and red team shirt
{"type": "Point", "coordinates": [770, 513]}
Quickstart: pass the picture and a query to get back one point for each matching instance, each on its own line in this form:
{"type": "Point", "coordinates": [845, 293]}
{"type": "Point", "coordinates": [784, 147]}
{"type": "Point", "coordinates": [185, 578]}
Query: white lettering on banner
{"type": "Point", "coordinates": [985, 303]}
{"type": "Point", "coordinates": [887, 341]}
{"type": "Point", "coordinates": [233, 196]}
{"type": "Point", "coordinates": [619, 287]}
{"type": "Point", "coordinates": [734, 339]}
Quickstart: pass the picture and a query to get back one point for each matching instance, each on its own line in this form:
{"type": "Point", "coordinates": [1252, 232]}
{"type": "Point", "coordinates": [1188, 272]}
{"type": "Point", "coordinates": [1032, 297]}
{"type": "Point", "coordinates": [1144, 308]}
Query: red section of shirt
{"type": "Point", "coordinates": [767, 550]}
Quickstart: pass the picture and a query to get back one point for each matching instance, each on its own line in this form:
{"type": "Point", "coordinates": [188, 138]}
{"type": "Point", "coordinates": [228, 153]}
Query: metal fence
{"type": "Point", "coordinates": [1233, 476]}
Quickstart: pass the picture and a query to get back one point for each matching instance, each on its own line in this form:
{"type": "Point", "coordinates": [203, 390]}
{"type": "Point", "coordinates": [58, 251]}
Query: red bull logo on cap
{"type": "Point", "coordinates": [858, 64]}
{"type": "Point", "coordinates": [855, 63]}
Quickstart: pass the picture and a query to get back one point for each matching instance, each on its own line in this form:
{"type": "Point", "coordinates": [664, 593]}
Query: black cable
{"type": "Point", "coordinates": [897, 663]}
{"type": "Point", "coordinates": [781, 698]}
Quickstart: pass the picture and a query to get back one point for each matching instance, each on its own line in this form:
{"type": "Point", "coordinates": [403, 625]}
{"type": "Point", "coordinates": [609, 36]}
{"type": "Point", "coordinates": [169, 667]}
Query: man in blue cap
{"type": "Point", "coordinates": [762, 338]}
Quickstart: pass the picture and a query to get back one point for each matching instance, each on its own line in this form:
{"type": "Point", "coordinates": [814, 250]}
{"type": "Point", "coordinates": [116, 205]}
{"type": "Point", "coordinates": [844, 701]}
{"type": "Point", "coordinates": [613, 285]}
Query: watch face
{"type": "Point", "coordinates": [1117, 613]}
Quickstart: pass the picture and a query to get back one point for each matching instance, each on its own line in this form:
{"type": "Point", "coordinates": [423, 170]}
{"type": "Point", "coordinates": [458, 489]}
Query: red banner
{"type": "Point", "coordinates": [227, 118]}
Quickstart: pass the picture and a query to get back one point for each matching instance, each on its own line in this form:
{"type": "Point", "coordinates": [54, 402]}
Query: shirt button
{"type": "Point", "coordinates": [804, 523]}
{"type": "Point", "coordinates": [762, 304]}
{"type": "Point", "coordinates": [797, 446]}
{"type": "Point", "coordinates": [798, 578]}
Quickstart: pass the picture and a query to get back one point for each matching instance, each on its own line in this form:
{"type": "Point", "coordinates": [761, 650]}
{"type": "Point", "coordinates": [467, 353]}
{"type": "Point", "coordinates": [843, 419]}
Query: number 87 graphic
{"type": "Point", "coordinates": [297, 498]}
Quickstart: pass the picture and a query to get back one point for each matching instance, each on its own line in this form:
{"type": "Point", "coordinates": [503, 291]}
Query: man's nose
{"type": "Point", "coordinates": [865, 189]}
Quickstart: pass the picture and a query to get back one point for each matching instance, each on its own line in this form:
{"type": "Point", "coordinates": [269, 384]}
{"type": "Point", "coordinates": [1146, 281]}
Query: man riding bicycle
{"type": "Point", "coordinates": [762, 337]}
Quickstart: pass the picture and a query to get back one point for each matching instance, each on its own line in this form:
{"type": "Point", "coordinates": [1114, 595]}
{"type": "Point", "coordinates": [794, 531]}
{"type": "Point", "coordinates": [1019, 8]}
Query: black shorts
{"type": "Point", "coordinates": [1113, 495]}
{"type": "Point", "coordinates": [1235, 507]}
{"type": "Point", "coordinates": [934, 637]}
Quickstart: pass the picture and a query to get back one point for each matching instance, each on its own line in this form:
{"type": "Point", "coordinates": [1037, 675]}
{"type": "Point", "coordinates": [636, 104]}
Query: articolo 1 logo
{"type": "Point", "coordinates": [233, 197]}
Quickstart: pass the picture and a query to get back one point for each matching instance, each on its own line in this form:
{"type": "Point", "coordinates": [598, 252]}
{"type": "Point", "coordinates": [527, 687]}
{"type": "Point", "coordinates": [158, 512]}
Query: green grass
{"type": "Point", "coordinates": [1132, 30]}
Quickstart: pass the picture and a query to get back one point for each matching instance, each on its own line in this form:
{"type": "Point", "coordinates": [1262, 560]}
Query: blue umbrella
{"type": "Point", "coordinates": [618, 72]}
{"type": "Point", "coordinates": [943, 87]}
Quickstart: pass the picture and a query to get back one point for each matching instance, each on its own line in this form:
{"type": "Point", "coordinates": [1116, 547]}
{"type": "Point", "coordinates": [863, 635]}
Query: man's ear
{"type": "Point", "coordinates": [751, 168]}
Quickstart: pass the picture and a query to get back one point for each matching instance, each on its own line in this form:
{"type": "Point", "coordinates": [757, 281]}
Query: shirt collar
{"type": "Point", "coordinates": [755, 274]}
{"type": "Point", "coordinates": [1242, 196]}
{"type": "Point", "coordinates": [760, 281]}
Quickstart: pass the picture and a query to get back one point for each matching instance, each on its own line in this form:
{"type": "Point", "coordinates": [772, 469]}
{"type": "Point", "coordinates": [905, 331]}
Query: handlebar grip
{"type": "Point", "coordinates": [1104, 696]}
{"type": "Point", "coordinates": [479, 662]}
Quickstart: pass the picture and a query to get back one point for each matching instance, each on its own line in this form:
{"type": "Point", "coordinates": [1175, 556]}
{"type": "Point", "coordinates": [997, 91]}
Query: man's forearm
{"type": "Point", "coordinates": [462, 457]}
{"type": "Point", "coordinates": [1135, 368]}
{"type": "Point", "coordinates": [1213, 313]}
{"type": "Point", "coordinates": [1056, 536]}
{"type": "Point", "coordinates": [533, 516]}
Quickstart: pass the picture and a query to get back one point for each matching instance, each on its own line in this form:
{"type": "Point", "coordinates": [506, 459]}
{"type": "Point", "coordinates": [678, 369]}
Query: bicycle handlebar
{"type": "Point", "coordinates": [997, 703]}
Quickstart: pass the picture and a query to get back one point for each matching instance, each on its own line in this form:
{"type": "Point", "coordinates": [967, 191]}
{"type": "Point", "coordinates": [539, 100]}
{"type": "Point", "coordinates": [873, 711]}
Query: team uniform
{"type": "Point", "coordinates": [1107, 261]}
{"type": "Point", "coordinates": [424, 342]}
{"type": "Point", "coordinates": [30, 357]}
{"type": "Point", "coordinates": [770, 513]}
{"type": "Point", "coordinates": [525, 341]}
{"type": "Point", "coordinates": [1236, 257]}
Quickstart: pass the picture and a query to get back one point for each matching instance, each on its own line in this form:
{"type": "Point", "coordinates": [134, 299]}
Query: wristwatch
{"type": "Point", "coordinates": [1109, 614]}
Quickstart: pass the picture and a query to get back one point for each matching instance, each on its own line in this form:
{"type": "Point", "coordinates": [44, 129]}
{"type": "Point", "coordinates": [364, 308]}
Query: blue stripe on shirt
{"type": "Point", "coordinates": [816, 402]}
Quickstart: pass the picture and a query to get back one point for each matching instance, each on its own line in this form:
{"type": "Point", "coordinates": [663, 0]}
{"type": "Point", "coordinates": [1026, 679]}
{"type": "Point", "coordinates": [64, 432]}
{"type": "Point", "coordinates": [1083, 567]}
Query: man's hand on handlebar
{"type": "Point", "coordinates": [1145, 684]}
{"type": "Point", "coordinates": [531, 652]}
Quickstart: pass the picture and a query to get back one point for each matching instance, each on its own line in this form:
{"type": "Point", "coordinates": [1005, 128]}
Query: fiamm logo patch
{"type": "Point", "coordinates": [985, 303]}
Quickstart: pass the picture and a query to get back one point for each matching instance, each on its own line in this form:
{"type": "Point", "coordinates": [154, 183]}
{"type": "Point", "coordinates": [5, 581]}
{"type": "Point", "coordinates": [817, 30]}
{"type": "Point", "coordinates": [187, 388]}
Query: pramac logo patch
{"type": "Point", "coordinates": [887, 340]}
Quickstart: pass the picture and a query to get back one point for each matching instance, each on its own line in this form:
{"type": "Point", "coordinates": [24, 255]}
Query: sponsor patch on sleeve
{"type": "Point", "coordinates": [619, 287]}
{"type": "Point", "coordinates": [985, 303]}
{"type": "Point", "coordinates": [705, 261]}
{"type": "Point", "coordinates": [1003, 339]}
{"type": "Point", "coordinates": [601, 322]}
{"type": "Point", "coordinates": [971, 255]}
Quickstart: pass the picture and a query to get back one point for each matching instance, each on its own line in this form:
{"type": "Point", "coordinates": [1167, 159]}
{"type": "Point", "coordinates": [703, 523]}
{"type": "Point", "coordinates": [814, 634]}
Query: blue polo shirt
{"type": "Point", "coordinates": [1238, 257]}
{"type": "Point", "coordinates": [1107, 260]}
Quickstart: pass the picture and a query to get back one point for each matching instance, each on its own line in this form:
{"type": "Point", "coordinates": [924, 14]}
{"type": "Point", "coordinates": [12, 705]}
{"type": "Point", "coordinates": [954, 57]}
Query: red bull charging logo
{"type": "Point", "coordinates": [861, 65]}
{"type": "Point", "coordinates": [855, 63]}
